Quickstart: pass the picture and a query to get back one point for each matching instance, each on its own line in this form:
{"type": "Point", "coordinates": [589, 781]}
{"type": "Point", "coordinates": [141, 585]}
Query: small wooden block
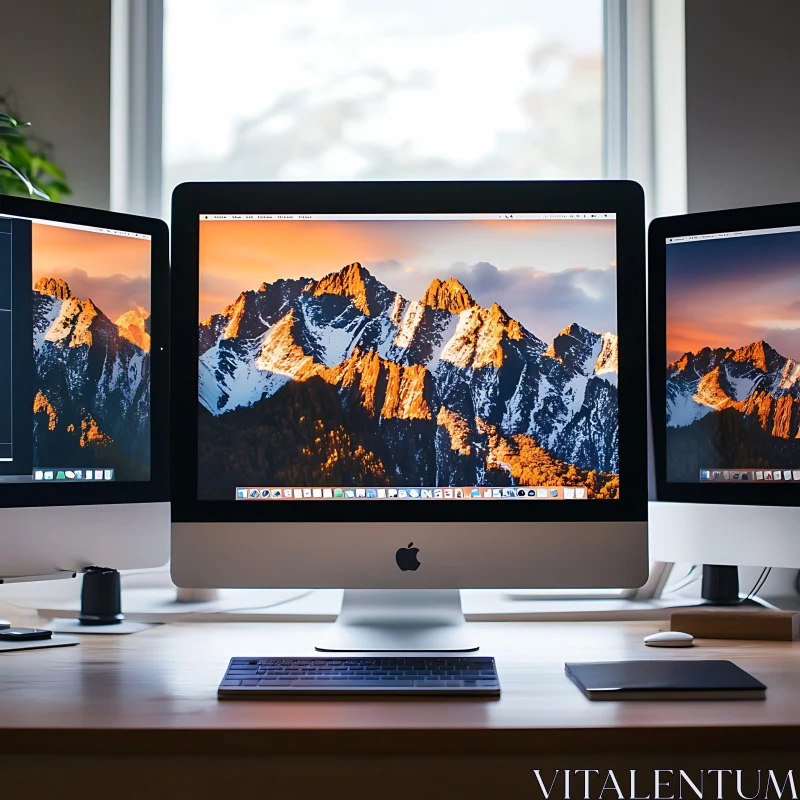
{"type": "Point", "coordinates": [733, 623]}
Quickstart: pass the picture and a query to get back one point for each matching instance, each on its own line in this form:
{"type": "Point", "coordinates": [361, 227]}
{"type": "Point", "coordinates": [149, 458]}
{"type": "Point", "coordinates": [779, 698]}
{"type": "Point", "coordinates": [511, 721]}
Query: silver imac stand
{"type": "Point", "coordinates": [399, 620]}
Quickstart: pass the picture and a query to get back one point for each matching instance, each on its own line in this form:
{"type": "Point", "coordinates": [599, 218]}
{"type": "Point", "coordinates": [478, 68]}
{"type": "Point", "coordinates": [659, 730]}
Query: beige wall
{"type": "Point", "coordinates": [742, 102]}
{"type": "Point", "coordinates": [55, 57]}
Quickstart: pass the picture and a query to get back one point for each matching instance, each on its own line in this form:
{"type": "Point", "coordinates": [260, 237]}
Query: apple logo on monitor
{"type": "Point", "coordinates": [406, 557]}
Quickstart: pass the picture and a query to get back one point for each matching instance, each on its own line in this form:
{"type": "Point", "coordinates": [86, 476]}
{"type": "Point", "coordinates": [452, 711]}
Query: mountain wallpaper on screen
{"type": "Point", "coordinates": [732, 352]}
{"type": "Point", "coordinates": [92, 384]}
{"type": "Point", "coordinates": [732, 408]}
{"type": "Point", "coordinates": [343, 381]}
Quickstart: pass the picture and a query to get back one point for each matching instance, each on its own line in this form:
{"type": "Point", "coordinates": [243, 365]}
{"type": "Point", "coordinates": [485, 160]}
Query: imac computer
{"type": "Point", "coordinates": [406, 389]}
{"type": "Point", "coordinates": [724, 292]}
{"type": "Point", "coordinates": [84, 309]}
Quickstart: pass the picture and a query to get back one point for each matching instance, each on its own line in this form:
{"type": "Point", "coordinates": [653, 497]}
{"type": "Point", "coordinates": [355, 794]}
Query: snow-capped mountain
{"type": "Point", "coordinates": [445, 385]}
{"type": "Point", "coordinates": [92, 382]}
{"type": "Point", "coordinates": [755, 380]}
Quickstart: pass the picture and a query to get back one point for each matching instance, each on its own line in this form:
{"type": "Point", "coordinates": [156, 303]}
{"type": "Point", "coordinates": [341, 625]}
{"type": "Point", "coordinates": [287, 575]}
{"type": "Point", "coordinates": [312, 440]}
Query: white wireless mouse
{"type": "Point", "coordinates": [669, 639]}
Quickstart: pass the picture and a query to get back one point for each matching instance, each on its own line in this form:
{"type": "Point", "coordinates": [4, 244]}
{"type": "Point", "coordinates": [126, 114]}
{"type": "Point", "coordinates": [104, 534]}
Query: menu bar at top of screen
{"type": "Point", "coordinates": [407, 217]}
{"type": "Point", "coordinates": [91, 228]}
{"type": "Point", "coordinates": [732, 234]}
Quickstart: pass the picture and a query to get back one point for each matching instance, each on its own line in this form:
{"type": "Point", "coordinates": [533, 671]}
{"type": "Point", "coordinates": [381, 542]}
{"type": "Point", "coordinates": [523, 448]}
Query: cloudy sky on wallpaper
{"type": "Point", "coordinates": [731, 292]}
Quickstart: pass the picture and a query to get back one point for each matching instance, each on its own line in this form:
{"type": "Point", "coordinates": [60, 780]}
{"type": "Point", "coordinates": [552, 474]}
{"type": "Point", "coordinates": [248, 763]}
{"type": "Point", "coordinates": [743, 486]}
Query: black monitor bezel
{"type": "Point", "coordinates": [623, 198]}
{"type": "Point", "coordinates": [729, 221]}
{"type": "Point", "coordinates": [156, 489]}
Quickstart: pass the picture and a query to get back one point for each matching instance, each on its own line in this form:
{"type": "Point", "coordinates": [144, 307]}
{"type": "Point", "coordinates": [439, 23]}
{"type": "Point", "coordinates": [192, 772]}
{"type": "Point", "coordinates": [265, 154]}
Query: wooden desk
{"type": "Point", "coordinates": [141, 712]}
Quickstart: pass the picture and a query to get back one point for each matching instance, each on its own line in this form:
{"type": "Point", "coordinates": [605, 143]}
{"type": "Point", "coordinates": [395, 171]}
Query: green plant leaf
{"type": "Point", "coordinates": [7, 165]}
{"type": "Point", "coordinates": [59, 186]}
{"type": "Point", "coordinates": [12, 125]}
{"type": "Point", "coordinates": [19, 146]}
{"type": "Point", "coordinates": [32, 190]}
{"type": "Point", "coordinates": [52, 169]}
{"type": "Point", "coordinates": [25, 165]}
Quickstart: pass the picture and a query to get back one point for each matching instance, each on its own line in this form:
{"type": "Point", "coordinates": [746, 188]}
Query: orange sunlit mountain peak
{"type": "Point", "coordinates": [759, 353]}
{"type": "Point", "coordinates": [350, 282]}
{"type": "Point", "coordinates": [681, 364]}
{"type": "Point", "coordinates": [449, 295]}
{"type": "Point", "coordinates": [134, 325]}
{"type": "Point", "coordinates": [55, 287]}
{"type": "Point", "coordinates": [705, 356]}
{"type": "Point", "coordinates": [497, 314]}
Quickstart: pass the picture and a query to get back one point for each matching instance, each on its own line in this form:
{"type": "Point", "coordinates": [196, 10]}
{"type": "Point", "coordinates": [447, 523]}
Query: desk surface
{"type": "Point", "coordinates": [132, 694]}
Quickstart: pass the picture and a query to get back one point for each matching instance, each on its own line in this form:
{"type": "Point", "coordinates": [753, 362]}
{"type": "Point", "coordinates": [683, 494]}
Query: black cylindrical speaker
{"type": "Point", "coordinates": [720, 584]}
{"type": "Point", "coordinates": [101, 597]}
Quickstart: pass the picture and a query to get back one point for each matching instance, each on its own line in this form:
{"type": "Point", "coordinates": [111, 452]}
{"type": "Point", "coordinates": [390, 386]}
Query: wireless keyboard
{"type": "Point", "coordinates": [248, 678]}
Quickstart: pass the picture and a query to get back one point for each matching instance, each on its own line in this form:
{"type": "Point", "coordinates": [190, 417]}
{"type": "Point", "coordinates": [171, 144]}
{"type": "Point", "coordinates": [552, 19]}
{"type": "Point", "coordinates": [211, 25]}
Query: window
{"type": "Point", "coordinates": [358, 89]}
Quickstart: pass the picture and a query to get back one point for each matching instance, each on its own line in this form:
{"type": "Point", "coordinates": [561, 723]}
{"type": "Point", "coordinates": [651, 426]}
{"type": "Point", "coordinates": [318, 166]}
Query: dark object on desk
{"type": "Point", "coordinates": [730, 623]}
{"type": "Point", "coordinates": [720, 585]}
{"type": "Point", "coordinates": [101, 598]}
{"type": "Point", "coordinates": [665, 680]}
{"type": "Point", "coordinates": [471, 676]}
{"type": "Point", "coordinates": [24, 634]}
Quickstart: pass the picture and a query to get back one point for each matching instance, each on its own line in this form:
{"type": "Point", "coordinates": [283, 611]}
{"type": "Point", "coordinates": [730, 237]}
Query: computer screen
{"type": "Point", "coordinates": [74, 353]}
{"type": "Point", "coordinates": [733, 345]}
{"type": "Point", "coordinates": [393, 357]}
